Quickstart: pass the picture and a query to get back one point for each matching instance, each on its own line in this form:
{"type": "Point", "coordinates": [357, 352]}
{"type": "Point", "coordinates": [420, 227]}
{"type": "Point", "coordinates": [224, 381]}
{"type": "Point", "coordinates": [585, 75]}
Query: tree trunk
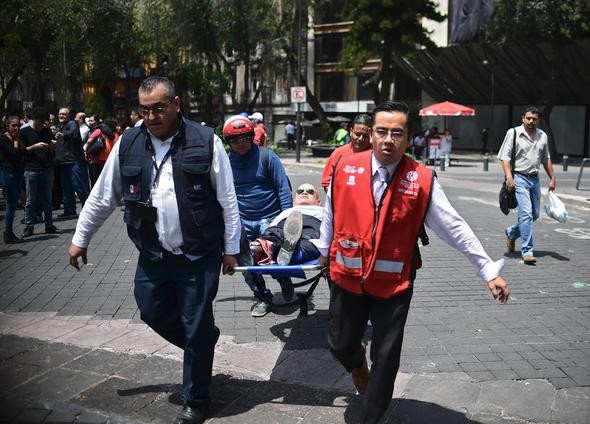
{"type": "Point", "coordinates": [11, 83]}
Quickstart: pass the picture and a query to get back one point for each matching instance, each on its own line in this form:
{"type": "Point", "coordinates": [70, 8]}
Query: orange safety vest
{"type": "Point", "coordinates": [372, 249]}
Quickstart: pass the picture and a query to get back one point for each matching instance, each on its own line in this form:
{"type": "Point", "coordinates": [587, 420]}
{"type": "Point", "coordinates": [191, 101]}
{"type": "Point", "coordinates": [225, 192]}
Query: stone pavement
{"type": "Point", "coordinates": [72, 348]}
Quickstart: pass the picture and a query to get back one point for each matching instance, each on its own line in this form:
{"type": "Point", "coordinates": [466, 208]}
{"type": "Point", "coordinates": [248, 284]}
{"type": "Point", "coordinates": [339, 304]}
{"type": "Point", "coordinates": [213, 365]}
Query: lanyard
{"type": "Point", "coordinates": [157, 168]}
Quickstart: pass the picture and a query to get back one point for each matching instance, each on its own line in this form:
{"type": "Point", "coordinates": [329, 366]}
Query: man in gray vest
{"type": "Point", "coordinates": [181, 213]}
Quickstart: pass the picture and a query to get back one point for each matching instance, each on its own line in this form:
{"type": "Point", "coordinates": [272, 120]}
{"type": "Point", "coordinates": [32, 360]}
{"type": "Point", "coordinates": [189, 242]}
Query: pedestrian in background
{"type": "Point", "coordinates": [182, 215]}
{"type": "Point", "coordinates": [374, 212]}
{"type": "Point", "coordinates": [259, 129]}
{"type": "Point", "coordinates": [360, 140]}
{"type": "Point", "coordinates": [262, 189]}
{"type": "Point", "coordinates": [290, 133]}
{"type": "Point", "coordinates": [12, 155]}
{"type": "Point", "coordinates": [341, 136]}
{"type": "Point", "coordinates": [98, 159]}
{"type": "Point", "coordinates": [531, 149]}
{"type": "Point", "coordinates": [69, 157]}
{"type": "Point", "coordinates": [39, 161]}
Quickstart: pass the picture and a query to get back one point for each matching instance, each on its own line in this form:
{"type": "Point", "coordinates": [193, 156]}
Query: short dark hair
{"type": "Point", "coordinates": [363, 119]}
{"type": "Point", "coordinates": [392, 106]}
{"type": "Point", "coordinates": [532, 109]}
{"type": "Point", "coordinates": [135, 111]}
{"type": "Point", "coordinates": [150, 83]}
{"type": "Point", "coordinates": [40, 112]}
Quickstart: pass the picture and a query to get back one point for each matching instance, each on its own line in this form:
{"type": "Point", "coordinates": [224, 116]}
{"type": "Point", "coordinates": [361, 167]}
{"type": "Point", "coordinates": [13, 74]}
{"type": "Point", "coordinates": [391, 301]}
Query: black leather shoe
{"type": "Point", "coordinates": [51, 230]}
{"type": "Point", "coordinates": [28, 232]}
{"type": "Point", "coordinates": [190, 415]}
{"type": "Point", "coordinates": [10, 238]}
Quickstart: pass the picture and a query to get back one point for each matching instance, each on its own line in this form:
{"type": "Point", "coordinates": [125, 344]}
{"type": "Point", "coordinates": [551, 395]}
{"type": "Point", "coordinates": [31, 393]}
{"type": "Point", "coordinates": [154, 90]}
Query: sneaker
{"type": "Point", "coordinates": [529, 259]}
{"type": "Point", "coordinates": [287, 288]}
{"type": "Point", "coordinates": [510, 244]}
{"type": "Point", "coordinates": [360, 377]}
{"type": "Point", "coordinates": [28, 232]}
{"type": "Point", "coordinates": [291, 235]}
{"type": "Point", "coordinates": [10, 237]}
{"type": "Point", "coordinates": [261, 308]}
{"type": "Point", "coordinates": [51, 230]}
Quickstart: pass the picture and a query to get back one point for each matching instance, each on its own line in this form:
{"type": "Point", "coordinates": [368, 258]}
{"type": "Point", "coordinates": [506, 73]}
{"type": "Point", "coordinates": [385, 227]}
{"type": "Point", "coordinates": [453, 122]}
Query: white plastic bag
{"type": "Point", "coordinates": [555, 208]}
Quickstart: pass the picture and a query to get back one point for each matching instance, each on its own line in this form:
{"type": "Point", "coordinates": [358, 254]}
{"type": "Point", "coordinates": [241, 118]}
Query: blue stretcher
{"type": "Point", "coordinates": [294, 271]}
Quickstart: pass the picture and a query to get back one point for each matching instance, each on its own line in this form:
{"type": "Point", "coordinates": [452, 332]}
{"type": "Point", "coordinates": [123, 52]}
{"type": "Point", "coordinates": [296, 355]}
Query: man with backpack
{"type": "Point", "coordinates": [262, 189]}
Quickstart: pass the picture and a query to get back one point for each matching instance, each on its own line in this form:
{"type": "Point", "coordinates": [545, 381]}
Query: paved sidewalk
{"type": "Point", "coordinates": [72, 347]}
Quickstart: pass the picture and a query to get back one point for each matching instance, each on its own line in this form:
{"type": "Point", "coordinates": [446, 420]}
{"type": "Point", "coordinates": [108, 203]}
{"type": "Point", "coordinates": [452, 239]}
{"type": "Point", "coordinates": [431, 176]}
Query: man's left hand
{"type": "Point", "coordinates": [552, 184]}
{"type": "Point", "coordinates": [499, 289]}
{"type": "Point", "coordinates": [229, 262]}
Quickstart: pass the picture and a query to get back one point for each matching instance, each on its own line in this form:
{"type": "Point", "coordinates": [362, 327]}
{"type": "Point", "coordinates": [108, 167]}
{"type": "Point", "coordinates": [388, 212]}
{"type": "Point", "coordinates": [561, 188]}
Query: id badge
{"type": "Point", "coordinates": [147, 212]}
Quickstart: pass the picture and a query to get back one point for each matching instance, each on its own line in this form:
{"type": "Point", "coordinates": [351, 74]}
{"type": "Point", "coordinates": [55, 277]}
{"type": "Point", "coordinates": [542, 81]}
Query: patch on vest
{"type": "Point", "coordinates": [351, 180]}
{"type": "Point", "coordinates": [408, 186]}
{"type": "Point", "coordinates": [132, 188]}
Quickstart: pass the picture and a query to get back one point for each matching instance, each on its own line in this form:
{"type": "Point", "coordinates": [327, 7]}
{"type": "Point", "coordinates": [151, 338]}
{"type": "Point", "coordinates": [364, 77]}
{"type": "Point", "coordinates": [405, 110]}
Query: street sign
{"type": "Point", "coordinates": [298, 95]}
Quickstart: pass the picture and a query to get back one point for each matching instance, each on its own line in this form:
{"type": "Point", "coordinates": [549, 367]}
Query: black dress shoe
{"type": "Point", "coordinates": [190, 415]}
{"type": "Point", "coordinates": [10, 237]}
{"type": "Point", "coordinates": [28, 232]}
{"type": "Point", "coordinates": [51, 230]}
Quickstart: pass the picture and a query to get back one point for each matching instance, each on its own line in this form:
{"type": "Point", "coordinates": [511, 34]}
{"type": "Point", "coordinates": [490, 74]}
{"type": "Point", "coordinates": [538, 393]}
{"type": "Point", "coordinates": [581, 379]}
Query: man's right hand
{"type": "Point", "coordinates": [323, 260]}
{"type": "Point", "coordinates": [75, 252]}
{"type": "Point", "coordinates": [510, 184]}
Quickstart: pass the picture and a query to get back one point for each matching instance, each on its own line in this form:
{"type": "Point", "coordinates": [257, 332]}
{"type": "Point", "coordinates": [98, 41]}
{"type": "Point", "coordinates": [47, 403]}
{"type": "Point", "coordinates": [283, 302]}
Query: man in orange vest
{"type": "Point", "coordinates": [360, 141]}
{"type": "Point", "coordinates": [372, 246]}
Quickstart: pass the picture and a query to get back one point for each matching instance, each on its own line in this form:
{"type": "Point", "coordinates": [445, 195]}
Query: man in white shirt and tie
{"type": "Point", "coordinates": [373, 251]}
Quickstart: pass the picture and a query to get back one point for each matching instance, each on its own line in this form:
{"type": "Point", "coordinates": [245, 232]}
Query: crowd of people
{"type": "Point", "coordinates": [48, 161]}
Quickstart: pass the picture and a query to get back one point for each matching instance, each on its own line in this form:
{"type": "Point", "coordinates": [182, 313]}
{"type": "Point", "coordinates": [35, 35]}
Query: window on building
{"type": "Point", "coordinates": [328, 47]}
{"type": "Point", "coordinates": [331, 87]}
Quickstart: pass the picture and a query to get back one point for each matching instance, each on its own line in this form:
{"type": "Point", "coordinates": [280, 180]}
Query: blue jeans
{"type": "Point", "coordinates": [254, 229]}
{"type": "Point", "coordinates": [528, 195]}
{"type": "Point", "coordinates": [12, 183]}
{"type": "Point", "coordinates": [74, 180]}
{"type": "Point", "coordinates": [175, 298]}
{"type": "Point", "coordinates": [39, 185]}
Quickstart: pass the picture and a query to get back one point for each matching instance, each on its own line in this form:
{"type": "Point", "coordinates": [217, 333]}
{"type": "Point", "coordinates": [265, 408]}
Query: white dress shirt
{"type": "Point", "coordinates": [441, 218]}
{"type": "Point", "coordinates": [108, 192]}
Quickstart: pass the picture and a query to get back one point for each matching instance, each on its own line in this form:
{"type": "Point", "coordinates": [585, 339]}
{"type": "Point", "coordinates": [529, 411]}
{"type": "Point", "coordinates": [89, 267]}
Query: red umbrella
{"type": "Point", "coordinates": [447, 109]}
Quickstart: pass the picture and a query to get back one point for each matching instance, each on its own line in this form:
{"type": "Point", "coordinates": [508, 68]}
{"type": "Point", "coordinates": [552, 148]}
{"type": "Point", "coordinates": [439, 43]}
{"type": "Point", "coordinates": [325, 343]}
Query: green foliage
{"type": "Point", "coordinates": [538, 20]}
{"type": "Point", "coordinates": [96, 105]}
{"type": "Point", "coordinates": [382, 26]}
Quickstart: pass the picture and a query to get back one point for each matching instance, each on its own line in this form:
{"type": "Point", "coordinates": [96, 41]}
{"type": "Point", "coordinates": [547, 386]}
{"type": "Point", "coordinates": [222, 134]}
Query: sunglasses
{"type": "Point", "coordinates": [307, 190]}
{"type": "Point", "coordinates": [242, 140]}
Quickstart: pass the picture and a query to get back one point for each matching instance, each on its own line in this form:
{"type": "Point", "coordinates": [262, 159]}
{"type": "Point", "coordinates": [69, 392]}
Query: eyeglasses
{"type": "Point", "coordinates": [382, 133]}
{"type": "Point", "coordinates": [157, 109]}
{"type": "Point", "coordinates": [306, 190]}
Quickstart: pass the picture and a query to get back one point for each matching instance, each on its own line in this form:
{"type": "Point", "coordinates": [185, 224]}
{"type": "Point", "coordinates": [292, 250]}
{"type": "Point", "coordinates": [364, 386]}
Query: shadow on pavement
{"type": "Point", "coordinates": [10, 252]}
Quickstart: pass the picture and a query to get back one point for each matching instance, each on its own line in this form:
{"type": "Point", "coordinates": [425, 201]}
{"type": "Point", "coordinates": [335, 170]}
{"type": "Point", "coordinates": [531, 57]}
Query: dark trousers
{"type": "Point", "coordinates": [94, 171]}
{"type": "Point", "coordinates": [175, 297]}
{"type": "Point", "coordinates": [74, 180]}
{"type": "Point", "coordinates": [349, 314]}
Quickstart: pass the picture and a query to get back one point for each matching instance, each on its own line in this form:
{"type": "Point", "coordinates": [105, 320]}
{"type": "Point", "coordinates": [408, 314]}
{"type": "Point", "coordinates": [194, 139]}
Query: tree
{"type": "Point", "coordinates": [542, 25]}
{"type": "Point", "coordinates": [382, 29]}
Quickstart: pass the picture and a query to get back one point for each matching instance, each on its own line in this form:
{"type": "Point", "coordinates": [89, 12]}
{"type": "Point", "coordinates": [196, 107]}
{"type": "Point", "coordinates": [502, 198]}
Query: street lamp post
{"type": "Point", "coordinates": [298, 76]}
{"type": "Point", "coordinates": [491, 132]}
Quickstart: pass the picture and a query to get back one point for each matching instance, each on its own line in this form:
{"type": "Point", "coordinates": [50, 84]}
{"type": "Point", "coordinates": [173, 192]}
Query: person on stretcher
{"type": "Point", "coordinates": [288, 238]}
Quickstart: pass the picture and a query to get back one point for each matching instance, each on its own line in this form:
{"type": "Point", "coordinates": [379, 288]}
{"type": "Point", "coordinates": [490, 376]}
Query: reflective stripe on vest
{"type": "Point", "coordinates": [382, 265]}
{"type": "Point", "coordinates": [349, 262]}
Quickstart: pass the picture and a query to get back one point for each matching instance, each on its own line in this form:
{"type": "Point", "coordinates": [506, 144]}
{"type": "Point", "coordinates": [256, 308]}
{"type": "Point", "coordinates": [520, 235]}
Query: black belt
{"type": "Point", "coordinates": [529, 175]}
